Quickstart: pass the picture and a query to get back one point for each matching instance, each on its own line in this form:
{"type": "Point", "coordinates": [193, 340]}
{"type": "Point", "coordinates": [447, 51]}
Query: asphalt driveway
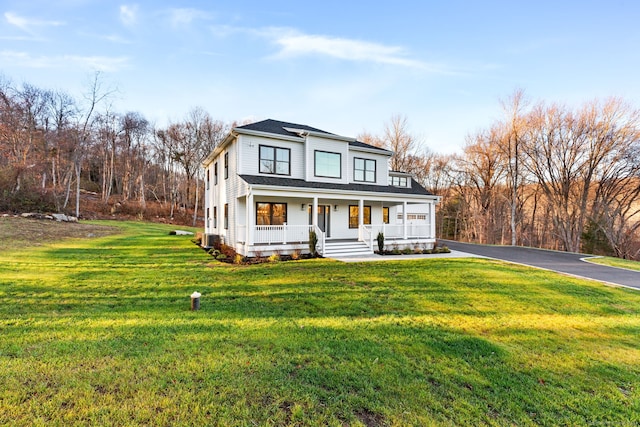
{"type": "Point", "coordinates": [562, 262]}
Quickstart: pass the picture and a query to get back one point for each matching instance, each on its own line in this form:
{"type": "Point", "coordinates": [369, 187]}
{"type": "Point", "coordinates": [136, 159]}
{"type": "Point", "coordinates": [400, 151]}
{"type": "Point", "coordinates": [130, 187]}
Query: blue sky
{"type": "Point", "coordinates": [341, 66]}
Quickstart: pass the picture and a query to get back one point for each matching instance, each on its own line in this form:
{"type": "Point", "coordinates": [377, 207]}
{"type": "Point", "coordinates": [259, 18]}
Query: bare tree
{"type": "Point", "coordinates": [396, 137]}
{"type": "Point", "coordinates": [84, 128]}
{"type": "Point", "coordinates": [510, 144]}
{"type": "Point", "coordinates": [483, 169]}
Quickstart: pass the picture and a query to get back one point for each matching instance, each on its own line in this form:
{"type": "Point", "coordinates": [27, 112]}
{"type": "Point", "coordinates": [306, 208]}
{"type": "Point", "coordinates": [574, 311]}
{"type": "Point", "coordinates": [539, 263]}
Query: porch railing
{"type": "Point", "coordinates": [281, 233]}
{"type": "Point", "coordinates": [321, 239]}
{"type": "Point", "coordinates": [396, 231]}
{"type": "Point", "coordinates": [366, 235]}
{"type": "Point", "coordinates": [369, 233]}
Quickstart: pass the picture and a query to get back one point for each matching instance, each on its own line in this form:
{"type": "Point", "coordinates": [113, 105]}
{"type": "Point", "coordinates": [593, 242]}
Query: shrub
{"type": "Point", "coordinates": [228, 251]}
{"type": "Point", "coordinates": [239, 259]}
{"type": "Point", "coordinates": [380, 239]}
{"type": "Point", "coordinates": [274, 257]}
{"type": "Point", "coordinates": [295, 255]}
{"type": "Point", "coordinates": [426, 251]}
{"type": "Point", "coordinates": [313, 242]}
{"type": "Point", "coordinates": [407, 251]}
{"type": "Point", "coordinates": [221, 257]}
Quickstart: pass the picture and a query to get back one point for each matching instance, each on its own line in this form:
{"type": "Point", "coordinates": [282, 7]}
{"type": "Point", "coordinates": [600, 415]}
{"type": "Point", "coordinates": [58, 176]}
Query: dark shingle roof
{"type": "Point", "coordinates": [363, 145]}
{"type": "Point", "coordinates": [278, 128]}
{"type": "Point", "coordinates": [416, 189]}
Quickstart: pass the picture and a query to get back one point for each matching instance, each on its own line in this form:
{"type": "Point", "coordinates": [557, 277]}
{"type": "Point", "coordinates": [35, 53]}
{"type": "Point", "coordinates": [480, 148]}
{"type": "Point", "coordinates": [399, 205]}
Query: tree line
{"type": "Point", "coordinates": [545, 175]}
{"type": "Point", "coordinates": [55, 149]}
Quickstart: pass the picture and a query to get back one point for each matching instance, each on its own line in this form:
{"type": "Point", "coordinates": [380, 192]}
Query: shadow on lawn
{"type": "Point", "coordinates": [344, 342]}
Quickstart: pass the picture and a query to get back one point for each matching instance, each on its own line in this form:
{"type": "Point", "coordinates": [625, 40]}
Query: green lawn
{"type": "Point", "coordinates": [98, 332]}
{"type": "Point", "coordinates": [616, 262]}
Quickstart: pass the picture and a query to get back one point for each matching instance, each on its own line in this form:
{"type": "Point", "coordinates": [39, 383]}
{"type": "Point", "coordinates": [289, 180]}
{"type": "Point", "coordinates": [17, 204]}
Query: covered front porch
{"type": "Point", "coordinates": [282, 223]}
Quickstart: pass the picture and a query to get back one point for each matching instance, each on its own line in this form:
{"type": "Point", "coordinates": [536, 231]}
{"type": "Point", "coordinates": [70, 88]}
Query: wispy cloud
{"type": "Point", "coordinates": [29, 25]}
{"type": "Point", "coordinates": [101, 63]}
{"type": "Point", "coordinates": [183, 17]}
{"type": "Point", "coordinates": [129, 14]}
{"type": "Point", "coordinates": [292, 43]}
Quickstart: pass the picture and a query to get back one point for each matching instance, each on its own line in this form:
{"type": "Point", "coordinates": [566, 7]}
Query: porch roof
{"type": "Point", "coordinates": [415, 189]}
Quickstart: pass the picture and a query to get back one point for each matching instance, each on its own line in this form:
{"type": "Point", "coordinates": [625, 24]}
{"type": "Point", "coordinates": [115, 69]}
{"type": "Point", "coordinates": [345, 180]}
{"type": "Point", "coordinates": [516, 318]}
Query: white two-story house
{"type": "Point", "coordinates": [269, 183]}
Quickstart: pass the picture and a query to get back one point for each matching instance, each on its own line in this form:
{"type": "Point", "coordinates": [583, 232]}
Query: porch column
{"type": "Point", "coordinates": [360, 217]}
{"type": "Point", "coordinates": [432, 219]}
{"type": "Point", "coordinates": [314, 213]}
{"type": "Point", "coordinates": [247, 221]}
{"type": "Point", "coordinates": [404, 220]}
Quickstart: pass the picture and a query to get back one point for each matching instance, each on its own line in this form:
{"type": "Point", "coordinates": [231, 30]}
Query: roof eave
{"type": "Point", "coordinates": [268, 134]}
{"type": "Point", "coordinates": [373, 150]}
{"type": "Point", "coordinates": [343, 192]}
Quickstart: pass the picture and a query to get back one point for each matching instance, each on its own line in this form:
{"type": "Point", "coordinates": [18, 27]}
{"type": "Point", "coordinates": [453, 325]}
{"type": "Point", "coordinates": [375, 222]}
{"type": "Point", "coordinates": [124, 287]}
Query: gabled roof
{"type": "Point", "coordinates": [415, 189]}
{"type": "Point", "coordinates": [277, 127]}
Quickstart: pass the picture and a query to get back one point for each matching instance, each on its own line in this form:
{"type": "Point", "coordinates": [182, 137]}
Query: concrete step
{"type": "Point", "coordinates": [346, 249]}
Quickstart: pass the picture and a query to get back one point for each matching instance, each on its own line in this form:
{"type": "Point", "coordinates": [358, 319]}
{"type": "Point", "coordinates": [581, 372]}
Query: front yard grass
{"type": "Point", "coordinates": [99, 332]}
{"type": "Point", "coordinates": [616, 262]}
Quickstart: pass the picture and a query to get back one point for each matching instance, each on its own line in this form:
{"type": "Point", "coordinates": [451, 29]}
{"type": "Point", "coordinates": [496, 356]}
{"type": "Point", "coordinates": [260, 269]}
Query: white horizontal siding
{"type": "Point", "coordinates": [382, 167]}
{"type": "Point", "coordinates": [314, 143]}
{"type": "Point", "coordinates": [250, 156]}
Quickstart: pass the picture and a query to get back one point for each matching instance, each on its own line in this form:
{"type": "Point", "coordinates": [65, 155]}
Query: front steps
{"type": "Point", "coordinates": [345, 248]}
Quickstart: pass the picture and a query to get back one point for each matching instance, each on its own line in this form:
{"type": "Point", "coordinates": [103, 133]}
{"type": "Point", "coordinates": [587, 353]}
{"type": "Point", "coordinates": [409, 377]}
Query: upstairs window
{"type": "Point", "coordinates": [364, 170]}
{"type": "Point", "coordinates": [208, 176]}
{"type": "Point", "coordinates": [226, 165]}
{"type": "Point", "coordinates": [215, 173]}
{"type": "Point", "coordinates": [271, 213]}
{"type": "Point", "coordinates": [399, 181]}
{"type": "Point", "coordinates": [327, 165]}
{"type": "Point", "coordinates": [215, 217]}
{"type": "Point", "coordinates": [274, 160]}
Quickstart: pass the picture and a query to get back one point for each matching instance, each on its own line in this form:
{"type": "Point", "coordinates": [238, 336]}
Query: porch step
{"type": "Point", "coordinates": [336, 249]}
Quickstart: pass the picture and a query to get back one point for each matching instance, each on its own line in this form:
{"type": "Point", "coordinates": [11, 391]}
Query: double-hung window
{"type": "Point", "coordinates": [215, 217]}
{"type": "Point", "coordinates": [226, 165]}
{"type": "Point", "coordinates": [271, 213]}
{"type": "Point", "coordinates": [327, 164]}
{"type": "Point", "coordinates": [226, 216]}
{"type": "Point", "coordinates": [215, 173]}
{"type": "Point", "coordinates": [364, 170]}
{"type": "Point", "coordinates": [274, 160]}
{"type": "Point", "coordinates": [353, 215]}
